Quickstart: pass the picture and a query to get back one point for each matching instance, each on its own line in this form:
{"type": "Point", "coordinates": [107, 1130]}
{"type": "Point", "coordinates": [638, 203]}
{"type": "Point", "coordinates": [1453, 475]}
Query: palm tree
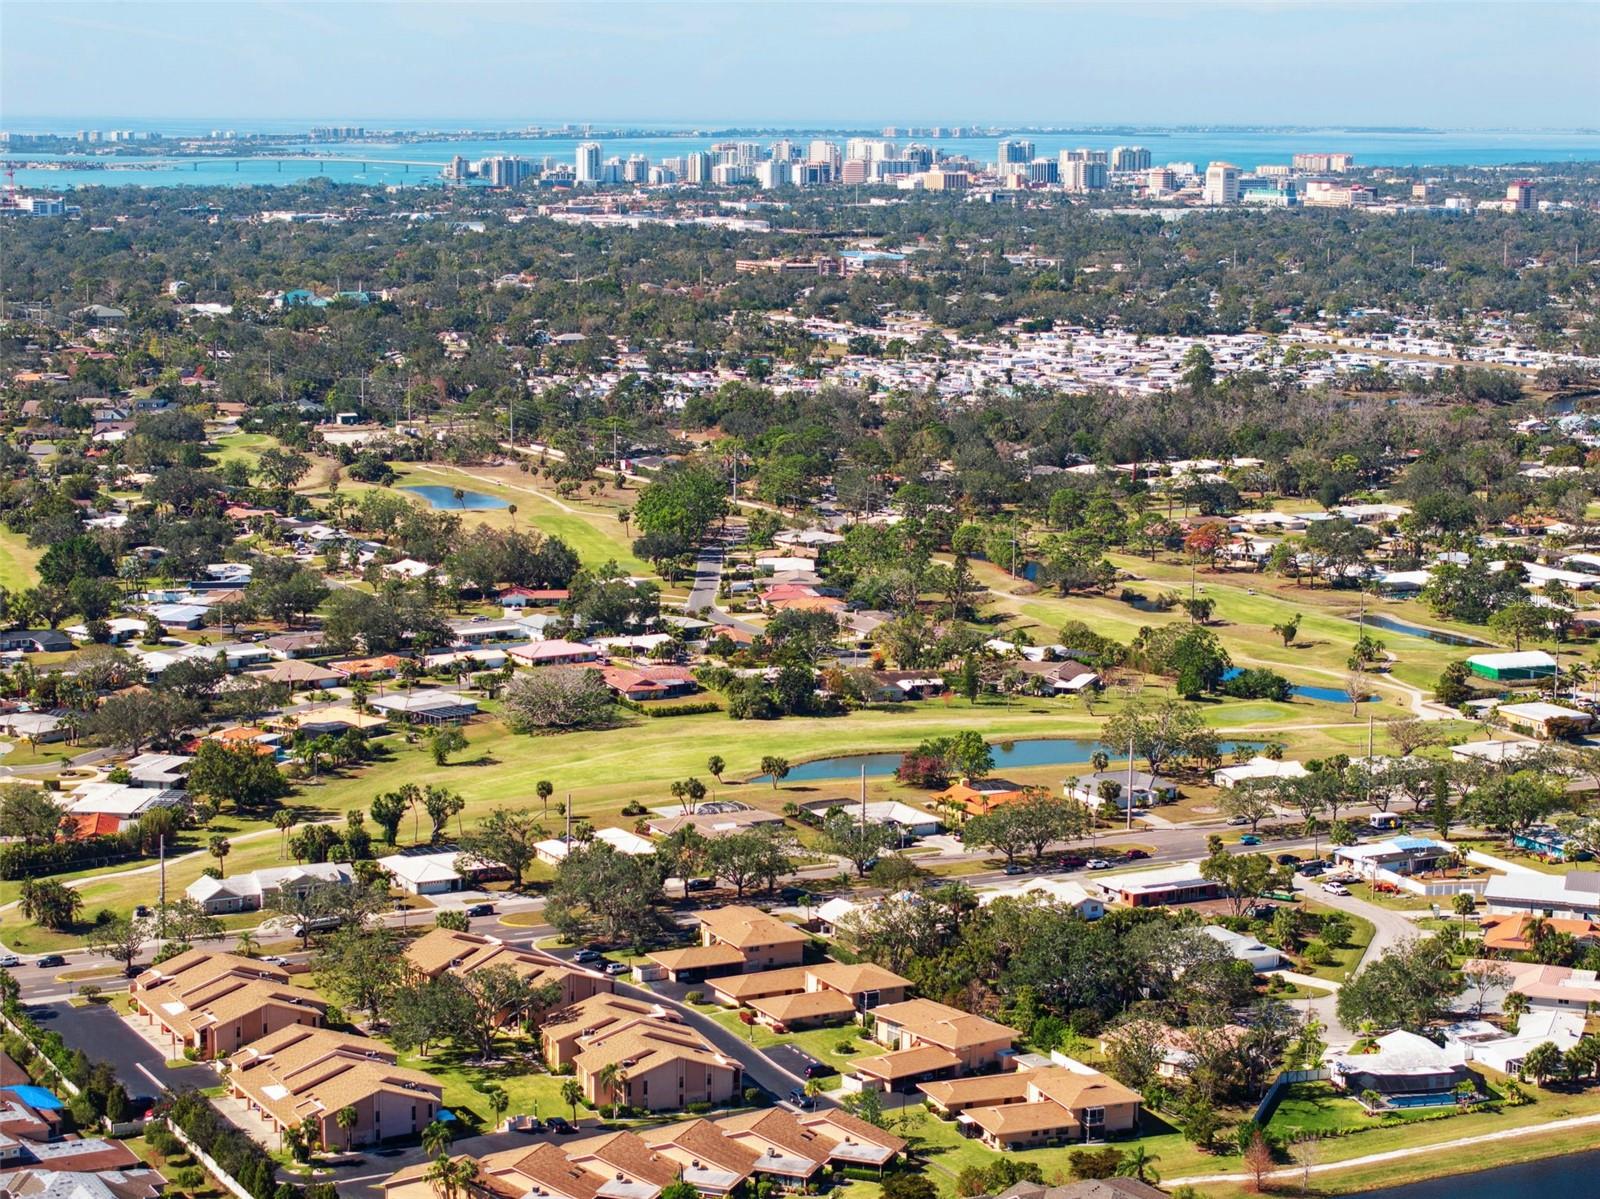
{"type": "Point", "coordinates": [450, 1176]}
{"type": "Point", "coordinates": [436, 1138]}
{"type": "Point", "coordinates": [572, 1095]}
{"type": "Point", "coordinates": [346, 1120]}
{"type": "Point", "coordinates": [219, 848]}
{"type": "Point", "coordinates": [545, 789]}
{"type": "Point", "coordinates": [283, 821]}
{"type": "Point", "coordinates": [247, 944]}
{"type": "Point", "coordinates": [613, 1076]}
{"type": "Point", "coordinates": [359, 690]}
{"type": "Point", "coordinates": [512, 509]}
{"type": "Point", "coordinates": [1140, 1164]}
{"type": "Point", "coordinates": [499, 1101]}
{"type": "Point", "coordinates": [1515, 1005]}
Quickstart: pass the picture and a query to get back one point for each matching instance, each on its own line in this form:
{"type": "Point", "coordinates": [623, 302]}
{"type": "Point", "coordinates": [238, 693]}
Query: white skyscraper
{"type": "Point", "coordinates": [588, 162]}
{"type": "Point", "coordinates": [1222, 184]}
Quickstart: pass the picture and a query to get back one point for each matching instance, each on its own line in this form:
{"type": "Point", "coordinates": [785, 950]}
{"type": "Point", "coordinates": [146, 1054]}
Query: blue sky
{"type": "Point", "coordinates": [1511, 63]}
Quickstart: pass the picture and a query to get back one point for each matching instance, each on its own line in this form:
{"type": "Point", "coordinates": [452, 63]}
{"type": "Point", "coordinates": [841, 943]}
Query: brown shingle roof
{"type": "Point", "coordinates": [743, 927]}
{"type": "Point", "coordinates": [939, 1024]}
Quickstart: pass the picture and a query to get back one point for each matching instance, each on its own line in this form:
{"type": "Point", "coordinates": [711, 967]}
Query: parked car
{"type": "Point", "coordinates": [1016, 869]}
{"type": "Point", "coordinates": [140, 1106]}
{"type": "Point", "coordinates": [586, 955]}
{"type": "Point", "coordinates": [1287, 859]}
{"type": "Point", "coordinates": [481, 909]}
{"type": "Point", "coordinates": [701, 884]}
{"type": "Point", "coordinates": [141, 909]}
{"type": "Point", "coordinates": [1336, 888]}
{"type": "Point", "coordinates": [1238, 820]}
{"type": "Point", "coordinates": [558, 1124]}
{"type": "Point", "coordinates": [7, 961]}
{"type": "Point", "coordinates": [1136, 855]}
{"type": "Point", "coordinates": [1098, 864]}
{"type": "Point", "coordinates": [617, 968]}
{"type": "Point", "coordinates": [51, 960]}
{"type": "Point", "coordinates": [1250, 839]}
{"type": "Point", "coordinates": [801, 1100]}
{"type": "Point", "coordinates": [273, 959]}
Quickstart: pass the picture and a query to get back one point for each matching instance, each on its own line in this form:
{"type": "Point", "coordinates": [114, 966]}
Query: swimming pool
{"type": "Point", "coordinates": [37, 1097]}
{"type": "Point", "coordinates": [1441, 1099]}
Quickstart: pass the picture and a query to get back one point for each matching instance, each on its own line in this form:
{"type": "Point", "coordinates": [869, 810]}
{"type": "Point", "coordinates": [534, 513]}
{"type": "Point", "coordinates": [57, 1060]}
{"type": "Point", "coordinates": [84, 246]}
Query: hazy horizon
{"type": "Point", "coordinates": [1425, 64]}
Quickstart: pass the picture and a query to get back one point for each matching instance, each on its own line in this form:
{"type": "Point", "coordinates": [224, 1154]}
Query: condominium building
{"type": "Point", "coordinates": [588, 162]}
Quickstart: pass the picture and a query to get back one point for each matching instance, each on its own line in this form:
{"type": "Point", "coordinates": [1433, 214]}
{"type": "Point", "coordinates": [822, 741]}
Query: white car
{"type": "Point", "coordinates": [274, 960]}
{"type": "Point", "coordinates": [1336, 888]}
{"type": "Point", "coordinates": [1098, 864]}
{"type": "Point", "coordinates": [9, 960]}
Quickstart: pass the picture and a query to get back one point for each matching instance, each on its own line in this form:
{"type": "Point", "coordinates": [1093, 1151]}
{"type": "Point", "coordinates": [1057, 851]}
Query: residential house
{"type": "Point", "coordinates": [256, 889]}
{"type": "Point", "coordinates": [1574, 895]}
{"type": "Point", "coordinates": [1543, 720]}
{"type": "Point", "coordinates": [1257, 768]}
{"type": "Point", "coordinates": [1182, 883]}
{"type": "Point", "coordinates": [384, 666]}
{"type": "Point", "coordinates": [1401, 855]}
{"type": "Point", "coordinates": [1401, 1063]}
{"type": "Point", "coordinates": [299, 1073]}
{"type": "Point", "coordinates": [978, 796]}
{"type": "Point", "coordinates": [430, 706]}
{"type": "Point", "coordinates": [1146, 789]}
{"type": "Point", "coordinates": [1514, 934]}
{"type": "Point", "coordinates": [649, 682]}
{"type": "Point", "coordinates": [1490, 1045]}
{"type": "Point", "coordinates": [555, 652]}
{"type": "Point", "coordinates": [298, 674]}
{"type": "Point", "coordinates": [841, 990]}
{"type": "Point", "coordinates": [764, 941]}
{"type": "Point", "coordinates": [1561, 988]}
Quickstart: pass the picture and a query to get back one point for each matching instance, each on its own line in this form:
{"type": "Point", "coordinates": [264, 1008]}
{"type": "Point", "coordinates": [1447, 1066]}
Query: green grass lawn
{"type": "Point", "coordinates": [19, 561]}
{"type": "Point", "coordinates": [1346, 957]}
{"type": "Point", "coordinates": [1404, 901]}
{"type": "Point", "coordinates": [531, 1089]}
{"type": "Point", "coordinates": [1316, 1107]}
{"type": "Point", "coordinates": [821, 1043]}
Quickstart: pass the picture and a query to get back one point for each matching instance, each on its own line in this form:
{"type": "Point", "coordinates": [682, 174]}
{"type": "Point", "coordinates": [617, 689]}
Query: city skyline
{"type": "Point", "coordinates": [1430, 63]}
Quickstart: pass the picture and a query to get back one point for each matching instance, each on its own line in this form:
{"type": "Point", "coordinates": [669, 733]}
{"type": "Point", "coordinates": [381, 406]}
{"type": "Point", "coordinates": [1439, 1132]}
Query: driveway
{"type": "Point", "coordinates": [363, 1178]}
{"type": "Point", "coordinates": [703, 591]}
{"type": "Point", "coordinates": [101, 1033]}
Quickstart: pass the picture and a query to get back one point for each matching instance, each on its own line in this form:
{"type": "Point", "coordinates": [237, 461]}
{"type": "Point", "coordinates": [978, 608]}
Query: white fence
{"type": "Point", "coordinates": [1287, 1078]}
{"type": "Point", "coordinates": [228, 1181]}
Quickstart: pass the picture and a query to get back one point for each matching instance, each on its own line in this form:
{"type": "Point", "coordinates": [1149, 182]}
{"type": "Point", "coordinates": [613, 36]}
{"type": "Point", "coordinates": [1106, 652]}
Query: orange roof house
{"type": "Point", "coordinates": [978, 796]}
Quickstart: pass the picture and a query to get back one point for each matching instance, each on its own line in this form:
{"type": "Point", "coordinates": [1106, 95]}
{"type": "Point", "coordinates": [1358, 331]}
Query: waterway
{"type": "Point", "coordinates": [417, 163]}
{"type": "Point", "coordinates": [445, 497]}
{"type": "Point", "coordinates": [1572, 1175]}
{"type": "Point", "coordinates": [1008, 755]}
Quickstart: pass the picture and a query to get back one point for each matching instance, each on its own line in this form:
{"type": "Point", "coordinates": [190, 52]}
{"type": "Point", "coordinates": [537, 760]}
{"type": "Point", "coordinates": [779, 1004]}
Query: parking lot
{"type": "Point", "coordinates": [797, 1061]}
{"type": "Point", "coordinates": [97, 1030]}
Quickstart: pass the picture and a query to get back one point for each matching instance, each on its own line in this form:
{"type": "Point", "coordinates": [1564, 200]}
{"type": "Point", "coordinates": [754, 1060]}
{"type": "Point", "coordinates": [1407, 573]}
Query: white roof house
{"type": "Point", "coordinates": [556, 849]}
{"type": "Point", "coordinates": [122, 800]}
{"type": "Point", "coordinates": [1575, 894]}
{"type": "Point", "coordinates": [1493, 751]}
{"type": "Point", "coordinates": [1245, 949]}
{"type": "Point", "coordinates": [1258, 768]}
{"type": "Point", "coordinates": [1057, 890]}
{"type": "Point", "coordinates": [247, 892]}
{"type": "Point", "coordinates": [1402, 1061]}
{"type": "Point", "coordinates": [1494, 1047]}
{"type": "Point", "coordinates": [424, 873]}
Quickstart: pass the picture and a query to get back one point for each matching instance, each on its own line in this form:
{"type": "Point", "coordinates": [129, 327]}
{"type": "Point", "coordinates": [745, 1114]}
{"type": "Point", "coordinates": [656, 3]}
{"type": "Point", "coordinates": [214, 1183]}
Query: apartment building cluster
{"type": "Point", "coordinates": [786, 1150]}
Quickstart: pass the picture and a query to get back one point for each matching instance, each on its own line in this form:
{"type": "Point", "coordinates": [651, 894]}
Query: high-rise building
{"type": "Point", "coordinates": [826, 152]}
{"type": "Point", "coordinates": [698, 164]}
{"type": "Point", "coordinates": [1130, 158]}
{"type": "Point", "coordinates": [636, 169]}
{"type": "Point", "coordinates": [504, 170]}
{"type": "Point", "coordinates": [811, 174]}
{"type": "Point", "coordinates": [1323, 164]}
{"type": "Point", "coordinates": [945, 181]}
{"type": "Point", "coordinates": [772, 173]}
{"type": "Point", "coordinates": [1222, 184]}
{"type": "Point", "coordinates": [1159, 180]}
{"type": "Point", "coordinates": [728, 174]}
{"type": "Point", "coordinates": [663, 174]}
{"type": "Point", "coordinates": [458, 169]}
{"type": "Point", "coordinates": [588, 162]}
{"type": "Point", "coordinates": [784, 150]}
{"type": "Point", "coordinates": [1428, 193]}
{"type": "Point", "coordinates": [854, 170]}
{"type": "Point", "coordinates": [1012, 149]}
{"type": "Point", "coordinates": [1521, 195]}
{"type": "Point", "coordinates": [1080, 175]}
{"type": "Point", "coordinates": [921, 155]}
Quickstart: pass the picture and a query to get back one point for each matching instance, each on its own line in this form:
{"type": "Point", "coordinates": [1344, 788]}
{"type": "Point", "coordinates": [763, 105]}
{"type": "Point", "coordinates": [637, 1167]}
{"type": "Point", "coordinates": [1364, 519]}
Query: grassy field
{"type": "Point", "coordinates": [821, 1043]}
{"type": "Point", "coordinates": [19, 561]}
{"type": "Point", "coordinates": [1346, 957]}
{"type": "Point", "coordinates": [589, 525]}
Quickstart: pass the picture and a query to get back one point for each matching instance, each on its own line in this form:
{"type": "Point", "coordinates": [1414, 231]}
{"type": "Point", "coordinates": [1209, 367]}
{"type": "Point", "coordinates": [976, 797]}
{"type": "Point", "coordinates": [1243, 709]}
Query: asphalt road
{"type": "Point", "coordinates": [100, 1032]}
{"type": "Point", "coordinates": [703, 591]}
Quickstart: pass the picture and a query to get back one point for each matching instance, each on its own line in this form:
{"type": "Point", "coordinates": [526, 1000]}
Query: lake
{"type": "Point", "coordinates": [1008, 755]}
{"type": "Point", "coordinates": [1570, 1175]}
{"type": "Point", "coordinates": [445, 497]}
{"type": "Point", "coordinates": [1329, 695]}
{"type": "Point", "coordinates": [1414, 630]}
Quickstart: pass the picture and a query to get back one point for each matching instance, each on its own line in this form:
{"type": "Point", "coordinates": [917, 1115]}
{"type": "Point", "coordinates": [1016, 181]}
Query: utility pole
{"type": "Point", "coordinates": [1129, 796]}
{"type": "Point", "coordinates": [569, 821]}
{"type": "Point", "coordinates": [863, 797]}
{"type": "Point", "coordinates": [161, 899]}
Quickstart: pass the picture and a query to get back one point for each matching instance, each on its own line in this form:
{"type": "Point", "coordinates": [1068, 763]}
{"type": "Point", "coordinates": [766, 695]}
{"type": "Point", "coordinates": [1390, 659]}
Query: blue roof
{"type": "Point", "coordinates": [1416, 843]}
{"type": "Point", "coordinates": [37, 1097]}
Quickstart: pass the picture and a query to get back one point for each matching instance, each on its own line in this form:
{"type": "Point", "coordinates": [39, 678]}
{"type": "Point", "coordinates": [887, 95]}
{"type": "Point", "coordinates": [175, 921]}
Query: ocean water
{"type": "Point", "coordinates": [412, 163]}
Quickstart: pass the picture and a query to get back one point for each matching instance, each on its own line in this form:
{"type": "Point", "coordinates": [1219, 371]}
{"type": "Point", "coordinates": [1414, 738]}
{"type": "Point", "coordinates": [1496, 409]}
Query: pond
{"type": "Point", "coordinates": [1572, 1174]}
{"type": "Point", "coordinates": [439, 496]}
{"type": "Point", "coordinates": [1008, 755]}
{"type": "Point", "coordinates": [1331, 695]}
{"type": "Point", "coordinates": [1414, 630]}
